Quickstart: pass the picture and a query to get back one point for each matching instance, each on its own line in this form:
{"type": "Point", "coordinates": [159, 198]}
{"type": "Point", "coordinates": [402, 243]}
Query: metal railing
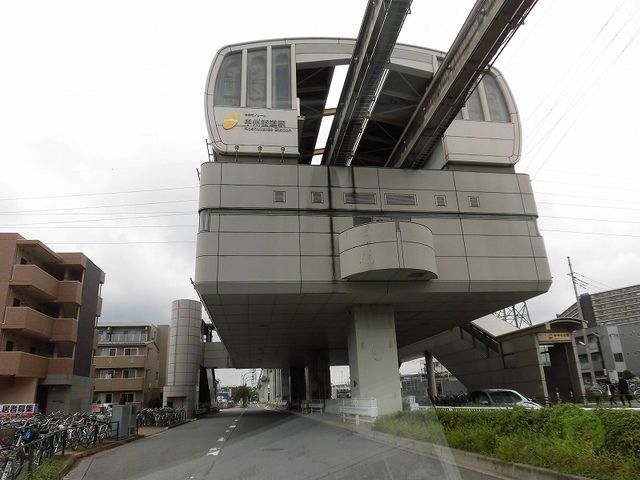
{"type": "Point", "coordinates": [14, 460]}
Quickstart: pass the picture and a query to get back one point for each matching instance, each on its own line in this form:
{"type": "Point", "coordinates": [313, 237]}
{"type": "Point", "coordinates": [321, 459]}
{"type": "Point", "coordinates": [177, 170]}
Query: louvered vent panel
{"type": "Point", "coordinates": [361, 198]}
{"type": "Point", "coordinates": [400, 199]}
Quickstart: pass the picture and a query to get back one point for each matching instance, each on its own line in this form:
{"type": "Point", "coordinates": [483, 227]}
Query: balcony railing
{"type": "Point", "coordinates": [35, 324]}
{"type": "Point", "coordinates": [36, 282]}
{"type": "Point", "coordinates": [60, 366]}
{"type": "Point", "coordinates": [118, 384]}
{"type": "Point", "coordinates": [22, 364]}
{"type": "Point", "coordinates": [122, 338]}
{"type": "Point", "coordinates": [121, 361]}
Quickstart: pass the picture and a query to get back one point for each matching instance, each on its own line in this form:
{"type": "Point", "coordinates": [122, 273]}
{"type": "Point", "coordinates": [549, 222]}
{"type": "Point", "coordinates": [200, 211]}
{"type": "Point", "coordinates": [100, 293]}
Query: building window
{"type": "Point", "coordinates": [108, 397]}
{"type": "Point", "coordinates": [107, 374]}
{"type": "Point", "coordinates": [474, 201]}
{"type": "Point", "coordinates": [108, 352]}
{"type": "Point", "coordinates": [130, 351]}
{"type": "Point", "coordinates": [9, 346]}
{"type": "Point", "coordinates": [227, 91]}
{"type": "Point", "coordinates": [257, 78]}
{"type": "Point", "coordinates": [203, 225]}
{"type": "Point", "coordinates": [281, 77]}
{"type": "Point", "coordinates": [440, 200]}
{"type": "Point", "coordinates": [508, 355]}
{"type": "Point", "coordinates": [127, 397]}
{"type": "Point", "coordinates": [129, 373]}
{"type": "Point", "coordinates": [618, 357]}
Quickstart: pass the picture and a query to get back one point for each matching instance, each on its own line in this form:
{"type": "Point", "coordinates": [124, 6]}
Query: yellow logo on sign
{"type": "Point", "coordinates": [230, 120]}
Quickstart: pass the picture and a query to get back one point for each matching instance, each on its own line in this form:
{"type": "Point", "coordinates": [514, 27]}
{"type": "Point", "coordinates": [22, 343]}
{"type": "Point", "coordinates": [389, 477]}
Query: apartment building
{"type": "Point", "coordinates": [610, 343]}
{"type": "Point", "coordinates": [130, 362]}
{"type": "Point", "coordinates": [49, 303]}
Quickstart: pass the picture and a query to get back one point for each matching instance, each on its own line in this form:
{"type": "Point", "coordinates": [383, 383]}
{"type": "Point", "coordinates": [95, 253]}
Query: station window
{"type": "Point", "coordinates": [474, 106]}
{"type": "Point", "coordinates": [618, 357]}
{"type": "Point", "coordinates": [257, 78]}
{"type": "Point", "coordinates": [227, 91]}
{"type": "Point", "coordinates": [281, 77]}
{"type": "Point", "coordinates": [474, 201]}
{"type": "Point", "coordinates": [497, 104]}
{"type": "Point", "coordinates": [204, 221]}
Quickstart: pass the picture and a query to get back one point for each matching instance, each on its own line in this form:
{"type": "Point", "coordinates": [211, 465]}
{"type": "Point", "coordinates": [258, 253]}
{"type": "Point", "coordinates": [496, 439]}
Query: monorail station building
{"type": "Point", "coordinates": [409, 221]}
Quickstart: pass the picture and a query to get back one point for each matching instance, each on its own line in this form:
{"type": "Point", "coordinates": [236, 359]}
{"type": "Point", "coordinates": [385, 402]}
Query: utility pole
{"type": "Point", "coordinates": [592, 373]}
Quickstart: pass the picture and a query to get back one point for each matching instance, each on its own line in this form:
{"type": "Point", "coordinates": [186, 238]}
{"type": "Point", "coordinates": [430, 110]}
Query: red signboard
{"type": "Point", "coordinates": [10, 410]}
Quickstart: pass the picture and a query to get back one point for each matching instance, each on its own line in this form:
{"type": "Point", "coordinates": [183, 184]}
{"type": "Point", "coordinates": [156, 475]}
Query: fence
{"type": "Point", "coordinates": [14, 460]}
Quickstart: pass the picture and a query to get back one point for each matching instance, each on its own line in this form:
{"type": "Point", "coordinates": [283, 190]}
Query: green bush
{"type": "Point", "coordinates": [603, 444]}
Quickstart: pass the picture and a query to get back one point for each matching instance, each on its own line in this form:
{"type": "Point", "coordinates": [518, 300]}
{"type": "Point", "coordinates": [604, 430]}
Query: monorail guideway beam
{"type": "Point", "coordinates": [489, 26]}
{"type": "Point", "coordinates": [379, 31]}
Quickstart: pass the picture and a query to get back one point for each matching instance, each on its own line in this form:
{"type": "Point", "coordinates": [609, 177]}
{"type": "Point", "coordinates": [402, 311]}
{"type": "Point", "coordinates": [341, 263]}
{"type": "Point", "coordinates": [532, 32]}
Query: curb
{"type": "Point", "coordinates": [80, 455]}
{"type": "Point", "coordinates": [75, 457]}
{"type": "Point", "coordinates": [459, 458]}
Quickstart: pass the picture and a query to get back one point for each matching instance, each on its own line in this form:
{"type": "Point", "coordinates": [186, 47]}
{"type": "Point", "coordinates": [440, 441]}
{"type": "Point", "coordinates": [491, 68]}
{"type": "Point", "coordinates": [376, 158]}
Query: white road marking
{"type": "Point", "coordinates": [232, 426]}
{"type": "Point", "coordinates": [221, 439]}
{"type": "Point", "coordinates": [213, 451]}
{"type": "Point", "coordinates": [227, 430]}
{"type": "Point", "coordinates": [236, 420]}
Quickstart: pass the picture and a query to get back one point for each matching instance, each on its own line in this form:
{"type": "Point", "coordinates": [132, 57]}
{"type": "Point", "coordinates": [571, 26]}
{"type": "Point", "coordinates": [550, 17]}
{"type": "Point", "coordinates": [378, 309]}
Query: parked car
{"type": "Point", "coordinates": [500, 397]}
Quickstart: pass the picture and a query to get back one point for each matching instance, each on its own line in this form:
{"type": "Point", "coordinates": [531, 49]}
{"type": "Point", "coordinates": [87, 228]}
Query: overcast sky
{"type": "Point", "coordinates": [102, 129]}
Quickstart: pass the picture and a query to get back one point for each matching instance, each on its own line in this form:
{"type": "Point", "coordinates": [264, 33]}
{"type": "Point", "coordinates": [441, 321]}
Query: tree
{"type": "Point", "coordinates": [241, 393]}
{"type": "Point", "coordinates": [627, 374]}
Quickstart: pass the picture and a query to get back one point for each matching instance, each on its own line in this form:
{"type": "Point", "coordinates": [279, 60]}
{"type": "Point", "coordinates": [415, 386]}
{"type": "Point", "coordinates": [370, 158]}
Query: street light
{"type": "Point", "coordinates": [244, 382]}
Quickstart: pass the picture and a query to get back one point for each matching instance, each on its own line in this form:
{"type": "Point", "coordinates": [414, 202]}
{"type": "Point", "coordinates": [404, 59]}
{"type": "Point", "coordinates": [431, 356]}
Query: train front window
{"type": "Point", "coordinates": [497, 104]}
{"type": "Point", "coordinates": [257, 78]}
{"type": "Point", "coordinates": [227, 91]}
{"type": "Point", "coordinates": [281, 74]}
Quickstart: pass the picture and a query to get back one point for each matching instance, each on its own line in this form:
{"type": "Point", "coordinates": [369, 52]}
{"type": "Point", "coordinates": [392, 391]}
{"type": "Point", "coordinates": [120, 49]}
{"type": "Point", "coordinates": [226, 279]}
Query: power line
{"type": "Point", "coordinates": [152, 242]}
{"type": "Point", "coordinates": [604, 234]}
{"type": "Point", "coordinates": [98, 193]}
{"type": "Point", "coordinates": [47, 210]}
{"type": "Point", "coordinates": [111, 227]}
{"type": "Point", "coordinates": [95, 220]}
{"type": "Point", "coordinates": [590, 219]}
{"type": "Point", "coordinates": [589, 206]}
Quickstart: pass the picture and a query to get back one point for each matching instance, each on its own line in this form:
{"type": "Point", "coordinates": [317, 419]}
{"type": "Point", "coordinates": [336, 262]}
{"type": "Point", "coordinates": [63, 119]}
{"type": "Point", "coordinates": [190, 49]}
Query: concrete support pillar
{"type": "Point", "coordinates": [298, 387]}
{"type": "Point", "coordinates": [432, 390]}
{"type": "Point", "coordinates": [318, 376]}
{"type": "Point", "coordinates": [373, 357]}
{"type": "Point", "coordinates": [286, 388]}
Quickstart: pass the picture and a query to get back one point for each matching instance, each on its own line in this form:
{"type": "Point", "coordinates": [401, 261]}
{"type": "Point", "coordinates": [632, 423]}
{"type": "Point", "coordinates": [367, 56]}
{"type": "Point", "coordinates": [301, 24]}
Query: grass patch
{"type": "Point", "coordinates": [602, 444]}
{"type": "Point", "coordinates": [48, 470]}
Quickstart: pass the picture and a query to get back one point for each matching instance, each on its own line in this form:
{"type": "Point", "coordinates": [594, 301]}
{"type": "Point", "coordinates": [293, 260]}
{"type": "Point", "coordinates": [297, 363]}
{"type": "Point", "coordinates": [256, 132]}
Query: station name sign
{"type": "Point", "coordinates": [554, 337]}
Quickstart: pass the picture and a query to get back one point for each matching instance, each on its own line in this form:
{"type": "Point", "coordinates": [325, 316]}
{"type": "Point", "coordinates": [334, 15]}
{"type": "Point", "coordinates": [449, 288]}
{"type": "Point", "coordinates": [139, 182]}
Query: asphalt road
{"type": "Point", "coordinates": [257, 443]}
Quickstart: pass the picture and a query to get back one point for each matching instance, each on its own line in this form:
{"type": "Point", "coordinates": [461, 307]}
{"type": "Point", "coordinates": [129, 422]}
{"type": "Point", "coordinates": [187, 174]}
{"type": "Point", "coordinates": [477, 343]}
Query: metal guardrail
{"type": "Point", "coordinates": [14, 460]}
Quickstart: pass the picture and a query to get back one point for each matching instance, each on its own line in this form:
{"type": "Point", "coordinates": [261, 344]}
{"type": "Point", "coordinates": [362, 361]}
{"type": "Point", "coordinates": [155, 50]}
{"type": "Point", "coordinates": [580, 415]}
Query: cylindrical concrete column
{"type": "Point", "coordinates": [185, 356]}
{"type": "Point", "coordinates": [373, 357]}
{"type": "Point", "coordinates": [432, 390]}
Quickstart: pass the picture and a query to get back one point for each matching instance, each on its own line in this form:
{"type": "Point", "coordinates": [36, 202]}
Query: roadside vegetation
{"type": "Point", "coordinates": [48, 470]}
{"type": "Point", "coordinates": [602, 443]}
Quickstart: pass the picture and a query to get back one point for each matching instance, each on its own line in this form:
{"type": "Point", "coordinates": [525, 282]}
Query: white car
{"type": "Point", "coordinates": [500, 397]}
